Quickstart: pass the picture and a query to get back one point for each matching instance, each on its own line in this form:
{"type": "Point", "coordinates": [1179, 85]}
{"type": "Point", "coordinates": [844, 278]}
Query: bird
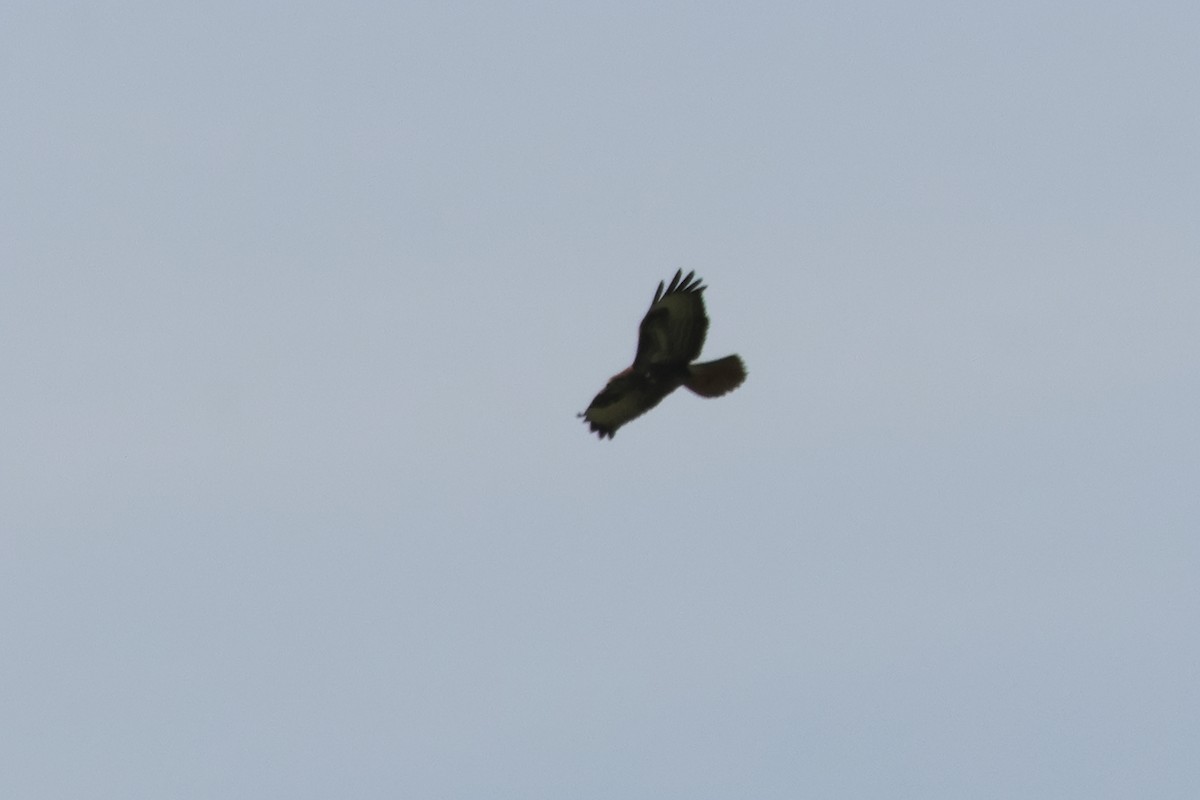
{"type": "Point", "coordinates": [669, 340]}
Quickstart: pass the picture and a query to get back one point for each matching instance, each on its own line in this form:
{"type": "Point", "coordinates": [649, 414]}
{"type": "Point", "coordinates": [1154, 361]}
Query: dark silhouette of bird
{"type": "Point", "coordinates": [669, 340]}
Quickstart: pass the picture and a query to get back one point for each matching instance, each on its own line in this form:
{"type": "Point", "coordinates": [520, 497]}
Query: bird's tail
{"type": "Point", "coordinates": [715, 378]}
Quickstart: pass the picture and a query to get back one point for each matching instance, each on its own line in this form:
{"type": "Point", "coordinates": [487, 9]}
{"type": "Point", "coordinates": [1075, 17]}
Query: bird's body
{"type": "Point", "coordinates": [669, 340]}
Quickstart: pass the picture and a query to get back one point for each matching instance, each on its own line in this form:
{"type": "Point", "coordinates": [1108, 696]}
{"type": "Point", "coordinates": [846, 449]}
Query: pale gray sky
{"type": "Point", "coordinates": [298, 302]}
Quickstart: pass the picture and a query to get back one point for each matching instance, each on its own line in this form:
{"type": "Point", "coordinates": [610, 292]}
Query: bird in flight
{"type": "Point", "coordinates": [669, 340]}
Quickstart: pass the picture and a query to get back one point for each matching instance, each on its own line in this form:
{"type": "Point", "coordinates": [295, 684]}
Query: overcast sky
{"type": "Point", "coordinates": [298, 302]}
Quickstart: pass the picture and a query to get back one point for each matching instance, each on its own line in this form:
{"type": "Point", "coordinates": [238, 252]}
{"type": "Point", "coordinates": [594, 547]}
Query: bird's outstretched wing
{"type": "Point", "coordinates": [627, 396]}
{"type": "Point", "coordinates": [673, 330]}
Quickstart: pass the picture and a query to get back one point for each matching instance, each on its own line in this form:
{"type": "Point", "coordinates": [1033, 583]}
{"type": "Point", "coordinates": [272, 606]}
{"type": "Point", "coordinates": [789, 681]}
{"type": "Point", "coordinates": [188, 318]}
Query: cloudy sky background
{"type": "Point", "coordinates": [298, 302]}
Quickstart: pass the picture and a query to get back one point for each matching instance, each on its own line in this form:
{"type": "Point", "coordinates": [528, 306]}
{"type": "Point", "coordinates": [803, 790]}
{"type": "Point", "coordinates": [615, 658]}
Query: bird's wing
{"type": "Point", "coordinates": [673, 330]}
{"type": "Point", "coordinates": [626, 397]}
